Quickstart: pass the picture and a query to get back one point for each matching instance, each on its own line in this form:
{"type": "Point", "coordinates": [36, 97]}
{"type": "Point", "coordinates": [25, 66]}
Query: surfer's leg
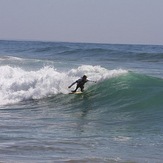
{"type": "Point", "coordinates": [76, 88]}
{"type": "Point", "coordinates": [82, 88]}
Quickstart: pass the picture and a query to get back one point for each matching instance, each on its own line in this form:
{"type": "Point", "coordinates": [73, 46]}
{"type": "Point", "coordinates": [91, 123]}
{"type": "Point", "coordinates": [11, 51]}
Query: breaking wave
{"type": "Point", "coordinates": [17, 84]}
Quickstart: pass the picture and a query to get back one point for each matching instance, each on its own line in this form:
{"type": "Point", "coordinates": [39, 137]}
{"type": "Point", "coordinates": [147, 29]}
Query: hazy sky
{"type": "Point", "coordinates": [100, 21]}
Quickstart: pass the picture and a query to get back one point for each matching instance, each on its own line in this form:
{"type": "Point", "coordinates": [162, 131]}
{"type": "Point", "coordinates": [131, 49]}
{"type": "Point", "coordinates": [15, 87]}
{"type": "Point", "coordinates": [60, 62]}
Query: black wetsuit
{"type": "Point", "coordinates": [80, 84]}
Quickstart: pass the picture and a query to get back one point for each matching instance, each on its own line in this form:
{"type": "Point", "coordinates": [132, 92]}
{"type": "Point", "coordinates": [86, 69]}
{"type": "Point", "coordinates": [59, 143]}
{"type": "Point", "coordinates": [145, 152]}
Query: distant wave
{"type": "Point", "coordinates": [2, 58]}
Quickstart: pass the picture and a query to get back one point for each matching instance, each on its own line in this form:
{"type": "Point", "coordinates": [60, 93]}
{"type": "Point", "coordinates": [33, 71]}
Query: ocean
{"type": "Point", "coordinates": [118, 119]}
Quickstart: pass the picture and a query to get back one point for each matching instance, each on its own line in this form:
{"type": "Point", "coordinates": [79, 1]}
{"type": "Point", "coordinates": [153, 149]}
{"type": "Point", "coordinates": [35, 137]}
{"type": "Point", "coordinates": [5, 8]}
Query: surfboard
{"type": "Point", "coordinates": [78, 92]}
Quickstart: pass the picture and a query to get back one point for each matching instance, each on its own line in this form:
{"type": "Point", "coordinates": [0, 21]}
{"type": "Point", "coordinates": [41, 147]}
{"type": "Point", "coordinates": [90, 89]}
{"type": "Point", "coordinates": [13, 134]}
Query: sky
{"type": "Point", "coordinates": [93, 21]}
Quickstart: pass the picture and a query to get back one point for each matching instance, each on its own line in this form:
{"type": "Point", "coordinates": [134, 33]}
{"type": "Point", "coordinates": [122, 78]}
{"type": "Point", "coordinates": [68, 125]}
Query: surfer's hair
{"type": "Point", "coordinates": [84, 76]}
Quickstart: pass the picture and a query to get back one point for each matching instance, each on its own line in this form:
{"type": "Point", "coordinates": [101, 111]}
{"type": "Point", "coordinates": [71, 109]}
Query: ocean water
{"type": "Point", "coordinates": [118, 119]}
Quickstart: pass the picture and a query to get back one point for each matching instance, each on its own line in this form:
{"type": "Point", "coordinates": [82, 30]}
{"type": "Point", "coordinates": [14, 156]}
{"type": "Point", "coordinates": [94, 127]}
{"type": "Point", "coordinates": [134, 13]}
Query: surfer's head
{"type": "Point", "coordinates": [84, 77]}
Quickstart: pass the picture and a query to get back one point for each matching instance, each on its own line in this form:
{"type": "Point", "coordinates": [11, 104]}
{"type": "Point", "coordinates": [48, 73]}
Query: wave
{"type": "Point", "coordinates": [17, 84]}
{"type": "Point", "coordinates": [58, 50]}
{"type": "Point", "coordinates": [130, 92]}
{"type": "Point", "coordinates": [10, 58]}
{"type": "Point", "coordinates": [114, 89]}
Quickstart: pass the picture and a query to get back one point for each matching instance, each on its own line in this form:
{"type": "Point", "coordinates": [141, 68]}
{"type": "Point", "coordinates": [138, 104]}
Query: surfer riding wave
{"type": "Point", "coordinates": [80, 83]}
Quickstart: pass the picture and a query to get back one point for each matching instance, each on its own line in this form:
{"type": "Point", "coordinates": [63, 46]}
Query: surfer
{"type": "Point", "coordinates": [80, 83]}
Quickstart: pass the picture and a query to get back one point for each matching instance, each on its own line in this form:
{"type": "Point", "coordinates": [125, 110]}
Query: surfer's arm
{"type": "Point", "coordinates": [72, 84]}
{"type": "Point", "coordinates": [91, 81]}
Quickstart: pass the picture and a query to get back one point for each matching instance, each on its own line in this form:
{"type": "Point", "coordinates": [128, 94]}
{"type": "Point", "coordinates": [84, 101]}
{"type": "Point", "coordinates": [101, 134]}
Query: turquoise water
{"type": "Point", "coordinates": [116, 120]}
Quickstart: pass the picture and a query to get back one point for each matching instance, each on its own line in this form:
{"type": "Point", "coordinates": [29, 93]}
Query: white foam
{"type": "Point", "coordinates": [17, 84]}
{"type": "Point", "coordinates": [122, 139]}
{"type": "Point", "coordinates": [96, 73]}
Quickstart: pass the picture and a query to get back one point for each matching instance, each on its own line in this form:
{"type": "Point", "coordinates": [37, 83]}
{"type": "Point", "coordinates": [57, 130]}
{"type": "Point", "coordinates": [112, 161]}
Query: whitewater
{"type": "Point", "coordinates": [118, 119]}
